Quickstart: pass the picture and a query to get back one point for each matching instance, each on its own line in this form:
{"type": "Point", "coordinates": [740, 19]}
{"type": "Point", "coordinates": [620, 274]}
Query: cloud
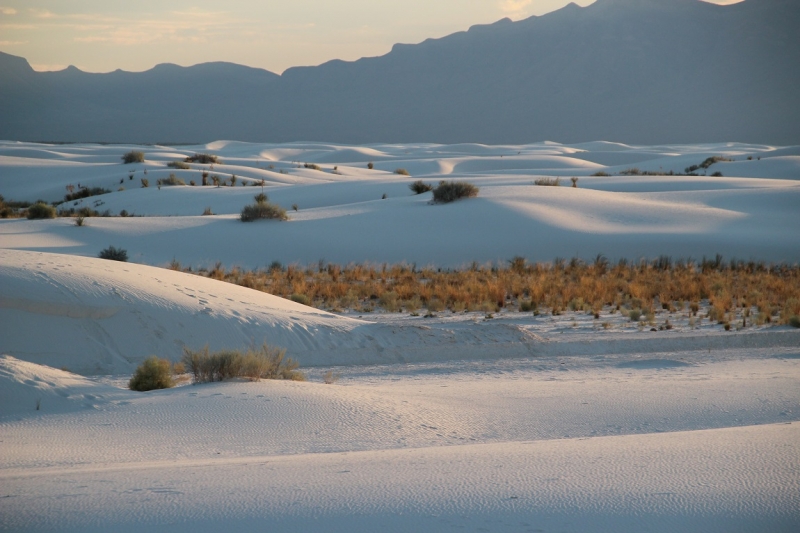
{"type": "Point", "coordinates": [514, 7]}
{"type": "Point", "coordinates": [8, 10]}
{"type": "Point", "coordinates": [42, 13]}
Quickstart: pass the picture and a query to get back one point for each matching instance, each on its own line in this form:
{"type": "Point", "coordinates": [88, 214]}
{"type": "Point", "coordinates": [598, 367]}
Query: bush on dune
{"type": "Point", "coordinates": [205, 159]}
{"type": "Point", "coordinates": [420, 187]}
{"type": "Point", "coordinates": [41, 210]}
{"type": "Point", "coordinates": [262, 210]}
{"type": "Point", "coordinates": [114, 254]}
{"type": "Point", "coordinates": [133, 157]}
{"type": "Point", "coordinates": [449, 191]}
{"type": "Point", "coordinates": [267, 362]}
{"type": "Point", "coordinates": [154, 373]}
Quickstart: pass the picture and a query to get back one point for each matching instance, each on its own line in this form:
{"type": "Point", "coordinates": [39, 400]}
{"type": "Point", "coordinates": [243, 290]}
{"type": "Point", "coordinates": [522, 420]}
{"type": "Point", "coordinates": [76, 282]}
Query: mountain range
{"type": "Point", "coordinates": [633, 71]}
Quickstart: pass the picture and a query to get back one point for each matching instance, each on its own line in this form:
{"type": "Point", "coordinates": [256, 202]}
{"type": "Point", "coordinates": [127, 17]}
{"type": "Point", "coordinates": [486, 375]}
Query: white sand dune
{"type": "Point", "coordinates": [518, 423]}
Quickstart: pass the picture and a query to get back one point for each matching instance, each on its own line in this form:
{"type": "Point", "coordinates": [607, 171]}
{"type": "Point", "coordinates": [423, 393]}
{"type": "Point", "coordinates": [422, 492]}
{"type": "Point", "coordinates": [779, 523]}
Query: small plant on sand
{"type": "Point", "coordinates": [133, 157]}
{"type": "Point", "coordinates": [402, 172]}
{"type": "Point", "coordinates": [180, 165]}
{"type": "Point", "coordinates": [114, 254]}
{"type": "Point", "coordinates": [145, 183]}
{"type": "Point", "coordinates": [262, 210]}
{"type": "Point", "coordinates": [80, 220]}
{"type": "Point", "coordinates": [41, 210]}
{"type": "Point", "coordinates": [300, 298]}
{"type": "Point", "coordinates": [574, 181]}
{"type": "Point", "coordinates": [449, 191]}
{"type": "Point", "coordinates": [370, 165]}
{"type": "Point", "coordinates": [207, 211]}
{"type": "Point", "coordinates": [172, 180]}
{"type": "Point", "coordinates": [548, 182]}
{"type": "Point", "coordinates": [420, 187]}
{"type": "Point", "coordinates": [330, 377]}
{"type": "Point", "coordinates": [266, 362]}
{"type": "Point", "coordinates": [154, 373]}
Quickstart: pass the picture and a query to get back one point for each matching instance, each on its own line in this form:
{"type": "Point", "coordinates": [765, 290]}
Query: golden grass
{"type": "Point", "coordinates": [771, 291]}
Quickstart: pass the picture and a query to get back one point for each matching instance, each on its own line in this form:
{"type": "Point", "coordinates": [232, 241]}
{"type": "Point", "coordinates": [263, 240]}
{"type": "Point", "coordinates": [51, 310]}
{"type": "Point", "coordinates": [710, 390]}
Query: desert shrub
{"type": "Point", "coordinates": [300, 298]}
{"type": "Point", "coordinates": [716, 174]}
{"type": "Point", "coordinates": [420, 187]}
{"type": "Point", "coordinates": [261, 198]}
{"type": "Point", "coordinates": [204, 159]}
{"type": "Point", "coordinates": [41, 210]}
{"type": "Point", "coordinates": [635, 314]}
{"type": "Point", "coordinates": [145, 183]}
{"type": "Point", "coordinates": [330, 377]}
{"type": "Point", "coordinates": [154, 373]}
{"type": "Point", "coordinates": [601, 173]}
{"type": "Point", "coordinates": [794, 321]}
{"type": "Point", "coordinates": [263, 211]}
{"type": "Point", "coordinates": [370, 165]}
{"type": "Point", "coordinates": [114, 254]}
{"type": "Point", "coordinates": [85, 192]}
{"type": "Point", "coordinates": [207, 211]}
{"type": "Point", "coordinates": [312, 166]}
{"type": "Point", "coordinates": [401, 171]}
{"type": "Point", "coordinates": [133, 157]}
{"type": "Point", "coordinates": [526, 306]}
{"type": "Point", "coordinates": [631, 172]}
{"type": "Point", "coordinates": [179, 165]}
{"type": "Point", "coordinates": [574, 181]}
{"type": "Point", "coordinates": [171, 181]}
{"type": "Point", "coordinates": [294, 206]}
{"type": "Point", "coordinates": [80, 220]}
{"type": "Point", "coordinates": [267, 362]}
{"type": "Point", "coordinates": [449, 191]}
{"type": "Point", "coordinates": [548, 182]}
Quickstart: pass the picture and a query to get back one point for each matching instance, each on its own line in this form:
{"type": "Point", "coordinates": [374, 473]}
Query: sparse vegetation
{"type": "Point", "coordinates": [312, 166]}
{"type": "Point", "coordinates": [401, 172]}
{"type": "Point", "coordinates": [449, 191]}
{"type": "Point", "coordinates": [707, 163]}
{"type": "Point", "coordinates": [420, 187]}
{"type": "Point", "coordinates": [770, 292]}
{"type": "Point", "coordinates": [133, 157]}
{"type": "Point", "coordinates": [266, 362]}
{"type": "Point", "coordinates": [180, 165]}
{"type": "Point", "coordinates": [203, 159]}
{"type": "Point", "coordinates": [172, 180]}
{"type": "Point", "coordinates": [114, 254]}
{"type": "Point", "coordinates": [154, 373]}
{"type": "Point", "coordinates": [601, 173]}
{"type": "Point", "coordinates": [548, 182]}
{"type": "Point", "coordinates": [85, 192]}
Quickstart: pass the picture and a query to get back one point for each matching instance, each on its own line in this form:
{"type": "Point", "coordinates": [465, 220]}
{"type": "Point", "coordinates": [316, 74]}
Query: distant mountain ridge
{"type": "Point", "coordinates": [635, 71]}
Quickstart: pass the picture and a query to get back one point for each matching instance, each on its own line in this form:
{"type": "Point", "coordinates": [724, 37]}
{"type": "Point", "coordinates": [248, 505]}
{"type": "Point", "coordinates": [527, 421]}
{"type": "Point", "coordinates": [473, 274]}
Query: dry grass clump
{"type": "Point", "coordinates": [401, 172]}
{"type": "Point", "coordinates": [172, 180]}
{"type": "Point", "coordinates": [420, 187]}
{"type": "Point", "coordinates": [548, 182]}
{"type": "Point", "coordinates": [179, 165]}
{"type": "Point", "coordinates": [767, 293]}
{"type": "Point", "coordinates": [266, 362]}
{"type": "Point", "coordinates": [449, 191]}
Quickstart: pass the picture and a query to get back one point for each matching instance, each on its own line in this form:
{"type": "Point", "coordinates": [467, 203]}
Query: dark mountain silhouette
{"type": "Point", "coordinates": [637, 71]}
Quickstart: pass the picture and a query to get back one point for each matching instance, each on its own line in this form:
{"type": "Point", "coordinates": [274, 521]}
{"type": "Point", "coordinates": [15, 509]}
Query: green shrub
{"type": "Point", "coordinates": [420, 187]}
{"type": "Point", "coordinates": [154, 373]}
{"type": "Point", "coordinates": [205, 159]}
{"type": "Point", "coordinates": [133, 157]}
{"type": "Point", "coordinates": [401, 171]}
{"type": "Point", "coordinates": [449, 191]}
{"type": "Point", "coordinates": [179, 165]}
{"type": "Point", "coordinates": [114, 254]}
{"type": "Point", "coordinates": [635, 314]}
{"type": "Point", "coordinates": [300, 298]}
{"type": "Point", "coordinates": [526, 306]}
{"type": "Point", "coordinates": [41, 210]}
{"type": "Point", "coordinates": [263, 211]}
{"type": "Point", "coordinates": [267, 362]}
{"type": "Point", "coordinates": [548, 182]}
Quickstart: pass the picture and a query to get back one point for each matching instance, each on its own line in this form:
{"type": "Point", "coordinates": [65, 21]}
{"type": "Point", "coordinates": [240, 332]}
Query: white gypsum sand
{"type": "Point", "coordinates": [517, 423]}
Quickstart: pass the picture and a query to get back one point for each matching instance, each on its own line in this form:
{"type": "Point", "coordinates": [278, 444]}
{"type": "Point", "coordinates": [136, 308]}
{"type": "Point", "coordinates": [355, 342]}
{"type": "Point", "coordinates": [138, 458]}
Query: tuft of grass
{"type": "Point", "coordinates": [266, 362]}
{"type": "Point", "coordinates": [180, 165]}
{"type": "Point", "coordinates": [85, 192]}
{"type": "Point", "coordinates": [80, 220]}
{"type": "Point", "coordinates": [41, 210]}
{"type": "Point", "coordinates": [450, 191]}
{"type": "Point", "coordinates": [154, 373]}
{"type": "Point", "coordinates": [113, 254]}
{"type": "Point", "coordinates": [133, 157]}
{"type": "Point", "coordinates": [330, 377]}
{"type": "Point", "coordinates": [420, 187]}
{"type": "Point", "coordinates": [207, 211]}
{"type": "Point", "coordinates": [300, 298]}
{"type": "Point", "coordinates": [401, 171]}
{"type": "Point", "coordinates": [548, 182]}
{"type": "Point", "coordinates": [601, 173]}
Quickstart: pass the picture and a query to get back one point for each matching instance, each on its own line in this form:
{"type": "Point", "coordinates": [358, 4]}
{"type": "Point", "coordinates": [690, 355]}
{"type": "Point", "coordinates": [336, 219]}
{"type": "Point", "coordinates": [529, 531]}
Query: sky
{"type": "Point", "coordinates": [105, 35]}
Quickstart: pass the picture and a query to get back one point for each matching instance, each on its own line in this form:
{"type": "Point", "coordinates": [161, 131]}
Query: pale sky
{"type": "Point", "coordinates": [104, 35]}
